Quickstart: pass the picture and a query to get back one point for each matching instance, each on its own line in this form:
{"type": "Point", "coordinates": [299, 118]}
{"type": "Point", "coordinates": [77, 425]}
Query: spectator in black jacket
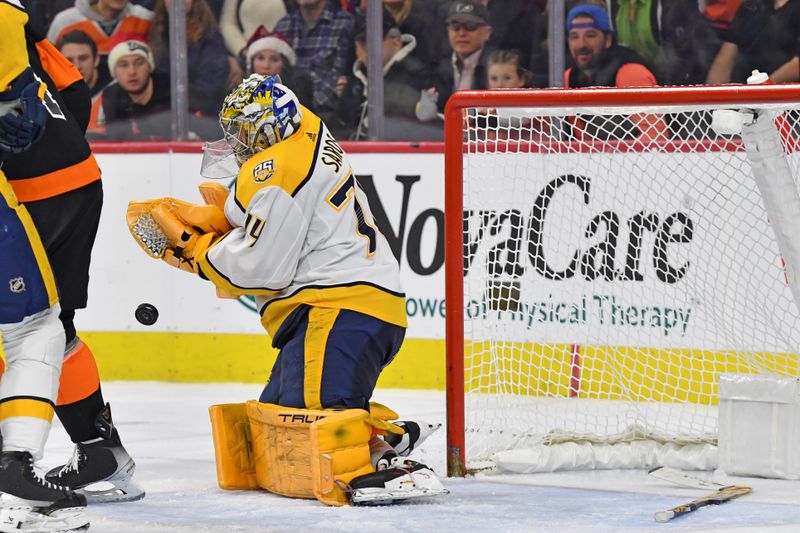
{"type": "Point", "coordinates": [81, 51]}
{"type": "Point", "coordinates": [207, 57]}
{"type": "Point", "coordinates": [403, 78]}
{"type": "Point", "coordinates": [136, 107]}
{"type": "Point", "coordinates": [468, 31]}
{"type": "Point", "coordinates": [763, 35]}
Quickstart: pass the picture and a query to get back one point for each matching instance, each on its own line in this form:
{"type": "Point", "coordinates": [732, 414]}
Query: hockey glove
{"type": "Point", "coordinates": [24, 125]}
{"type": "Point", "coordinates": [175, 231]}
{"type": "Point", "coordinates": [184, 243]}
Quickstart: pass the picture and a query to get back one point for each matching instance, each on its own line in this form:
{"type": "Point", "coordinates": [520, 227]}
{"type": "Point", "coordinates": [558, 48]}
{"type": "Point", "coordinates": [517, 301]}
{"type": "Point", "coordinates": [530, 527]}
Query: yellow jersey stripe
{"type": "Point", "coordinates": [31, 407]}
{"type": "Point", "coordinates": [320, 323]}
{"type": "Point", "coordinates": [361, 297]}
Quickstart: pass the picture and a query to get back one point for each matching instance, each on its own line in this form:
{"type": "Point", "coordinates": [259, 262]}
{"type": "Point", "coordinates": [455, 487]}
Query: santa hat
{"type": "Point", "coordinates": [127, 48]}
{"type": "Point", "coordinates": [264, 40]}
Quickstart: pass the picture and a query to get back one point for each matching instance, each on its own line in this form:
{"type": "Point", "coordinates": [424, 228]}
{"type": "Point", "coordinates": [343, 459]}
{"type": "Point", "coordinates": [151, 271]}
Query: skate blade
{"type": "Point", "coordinates": [364, 497]}
{"type": "Point", "coordinates": [112, 491]}
{"type": "Point", "coordinates": [21, 519]}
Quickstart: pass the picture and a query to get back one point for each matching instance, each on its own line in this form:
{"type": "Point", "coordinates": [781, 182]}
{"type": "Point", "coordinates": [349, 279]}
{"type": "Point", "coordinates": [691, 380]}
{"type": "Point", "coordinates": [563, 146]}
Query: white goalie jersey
{"type": "Point", "coordinates": [304, 234]}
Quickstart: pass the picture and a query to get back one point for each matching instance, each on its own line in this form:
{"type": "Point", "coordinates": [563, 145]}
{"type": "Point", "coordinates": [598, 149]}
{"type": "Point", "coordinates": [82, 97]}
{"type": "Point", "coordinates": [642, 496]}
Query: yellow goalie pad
{"type": "Point", "coordinates": [233, 447]}
{"type": "Point", "coordinates": [301, 453]}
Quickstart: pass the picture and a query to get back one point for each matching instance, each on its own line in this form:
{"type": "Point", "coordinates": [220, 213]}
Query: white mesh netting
{"type": "Point", "coordinates": [616, 261]}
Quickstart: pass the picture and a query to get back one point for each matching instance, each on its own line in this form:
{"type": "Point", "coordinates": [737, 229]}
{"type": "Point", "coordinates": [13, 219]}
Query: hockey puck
{"type": "Point", "coordinates": [146, 314]}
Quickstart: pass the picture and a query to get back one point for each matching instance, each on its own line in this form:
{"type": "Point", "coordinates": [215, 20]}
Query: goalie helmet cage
{"type": "Point", "coordinates": [607, 254]}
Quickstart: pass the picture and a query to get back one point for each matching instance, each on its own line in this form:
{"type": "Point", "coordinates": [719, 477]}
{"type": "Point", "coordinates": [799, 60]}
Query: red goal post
{"type": "Point", "coordinates": [456, 148]}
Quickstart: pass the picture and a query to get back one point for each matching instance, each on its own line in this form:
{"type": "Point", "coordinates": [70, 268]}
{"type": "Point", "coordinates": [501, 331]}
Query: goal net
{"type": "Point", "coordinates": [609, 253]}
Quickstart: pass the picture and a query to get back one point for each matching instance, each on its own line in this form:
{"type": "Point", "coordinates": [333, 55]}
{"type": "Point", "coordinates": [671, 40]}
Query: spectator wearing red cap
{"type": "Point", "coordinates": [268, 53]}
{"type": "Point", "coordinates": [136, 107]}
{"type": "Point", "coordinates": [240, 19]}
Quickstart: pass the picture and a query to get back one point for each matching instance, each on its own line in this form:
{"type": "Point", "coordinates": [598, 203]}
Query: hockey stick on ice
{"type": "Point", "coordinates": [683, 479]}
{"type": "Point", "coordinates": [723, 495]}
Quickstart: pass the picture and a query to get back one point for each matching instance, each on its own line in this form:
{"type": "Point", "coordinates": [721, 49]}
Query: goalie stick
{"type": "Point", "coordinates": [725, 494]}
{"type": "Point", "coordinates": [683, 479]}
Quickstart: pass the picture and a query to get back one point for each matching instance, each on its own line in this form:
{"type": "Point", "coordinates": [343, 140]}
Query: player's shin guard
{"type": "Point", "coordinates": [79, 394]}
{"type": "Point", "coordinates": [34, 350]}
{"type": "Point", "coordinates": [99, 455]}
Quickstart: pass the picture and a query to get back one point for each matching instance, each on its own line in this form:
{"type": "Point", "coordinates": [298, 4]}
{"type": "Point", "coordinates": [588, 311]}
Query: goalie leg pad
{"type": "Point", "coordinates": [310, 453]}
{"type": "Point", "coordinates": [233, 446]}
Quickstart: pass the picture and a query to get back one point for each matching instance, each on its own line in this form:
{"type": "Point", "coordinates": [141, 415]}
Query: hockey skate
{"type": "Point", "coordinates": [101, 469]}
{"type": "Point", "coordinates": [28, 502]}
{"type": "Point", "coordinates": [397, 479]}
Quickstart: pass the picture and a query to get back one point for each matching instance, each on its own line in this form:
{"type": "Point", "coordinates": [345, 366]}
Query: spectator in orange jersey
{"type": "Point", "coordinates": [102, 20]}
{"type": "Point", "coordinates": [598, 62]}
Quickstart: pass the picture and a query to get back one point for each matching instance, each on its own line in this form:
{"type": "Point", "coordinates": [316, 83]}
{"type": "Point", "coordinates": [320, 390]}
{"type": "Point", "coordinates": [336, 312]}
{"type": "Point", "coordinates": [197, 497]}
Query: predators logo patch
{"type": "Point", "coordinates": [263, 171]}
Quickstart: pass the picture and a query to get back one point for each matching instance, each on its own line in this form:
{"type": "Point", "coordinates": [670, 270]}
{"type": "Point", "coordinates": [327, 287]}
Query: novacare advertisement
{"type": "Point", "coordinates": [660, 250]}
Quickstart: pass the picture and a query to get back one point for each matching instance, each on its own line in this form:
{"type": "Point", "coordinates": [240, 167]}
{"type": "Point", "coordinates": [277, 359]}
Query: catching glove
{"type": "Point", "coordinates": [174, 231]}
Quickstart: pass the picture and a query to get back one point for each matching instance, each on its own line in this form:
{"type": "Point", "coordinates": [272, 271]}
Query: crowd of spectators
{"type": "Point", "coordinates": [431, 48]}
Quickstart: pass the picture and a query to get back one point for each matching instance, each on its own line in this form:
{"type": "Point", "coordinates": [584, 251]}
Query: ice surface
{"type": "Point", "coordinates": [165, 426]}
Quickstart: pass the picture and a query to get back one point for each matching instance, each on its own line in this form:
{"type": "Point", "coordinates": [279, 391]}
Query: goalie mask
{"type": "Point", "coordinates": [259, 113]}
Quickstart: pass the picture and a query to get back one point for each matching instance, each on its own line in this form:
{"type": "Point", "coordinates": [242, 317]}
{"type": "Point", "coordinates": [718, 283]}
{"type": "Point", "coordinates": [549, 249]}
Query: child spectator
{"type": "Point", "coordinates": [104, 21]}
{"type": "Point", "coordinates": [505, 70]}
{"type": "Point", "coordinates": [269, 54]}
{"type": "Point", "coordinates": [241, 18]}
{"type": "Point", "coordinates": [136, 107]}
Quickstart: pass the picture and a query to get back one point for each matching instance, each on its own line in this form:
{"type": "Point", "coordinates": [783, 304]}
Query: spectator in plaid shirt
{"type": "Point", "coordinates": [321, 37]}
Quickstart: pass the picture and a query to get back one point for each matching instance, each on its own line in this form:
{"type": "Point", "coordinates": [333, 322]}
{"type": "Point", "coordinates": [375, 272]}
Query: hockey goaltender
{"type": "Point", "coordinates": [297, 233]}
